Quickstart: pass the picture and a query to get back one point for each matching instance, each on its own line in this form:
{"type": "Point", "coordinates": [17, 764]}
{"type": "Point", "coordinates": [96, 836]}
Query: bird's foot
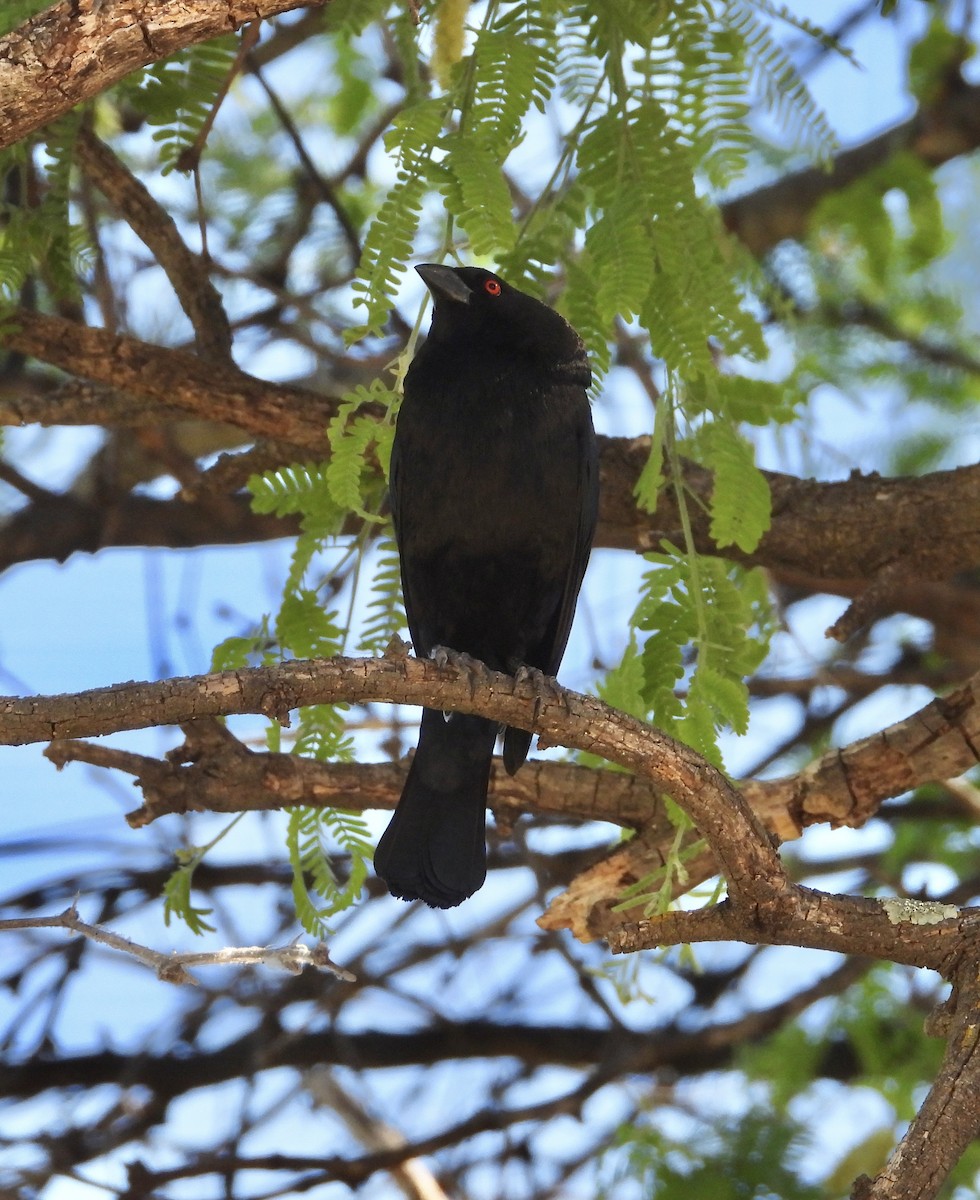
{"type": "Point", "coordinates": [477, 672]}
{"type": "Point", "coordinates": [397, 647]}
{"type": "Point", "coordinates": [542, 687]}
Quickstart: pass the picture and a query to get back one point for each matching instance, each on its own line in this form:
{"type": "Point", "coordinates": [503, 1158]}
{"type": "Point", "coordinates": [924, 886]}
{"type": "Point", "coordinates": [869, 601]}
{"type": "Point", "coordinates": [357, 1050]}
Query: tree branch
{"type": "Point", "coordinates": [151, 222]}
{"type": "Point", "coordinates": [845, 787]}
{"type": "Point", "coordinates": [569, 719]}
{"type": "Point", "coordinates": [949, 1118]}
{"type": "Point", "coordinates": [173, 967]}
{"type": "Point", "coordinates": [213, 772]}
{"type": "Point", "coordinates": [946, 129]}
{"type": "Point", "coordinates": [834, 537]}
{"type": "Point", "coordinates": [918, 933]}
{"type": "Point", "coordinates": [60, 525]}
{"type": "Point", "coordinates": [172, 378]}
{"type": "Point", "coordinates": [763, 905]}
{"type": "Point", "coordinates": [76, 49]}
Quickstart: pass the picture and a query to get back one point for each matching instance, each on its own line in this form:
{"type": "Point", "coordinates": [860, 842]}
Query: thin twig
{"type": "Point", "coordinates": [172, 966]}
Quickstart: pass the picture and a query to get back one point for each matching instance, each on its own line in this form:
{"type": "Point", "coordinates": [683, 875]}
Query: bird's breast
{"type": "Point", "coordinates": [494, 466]}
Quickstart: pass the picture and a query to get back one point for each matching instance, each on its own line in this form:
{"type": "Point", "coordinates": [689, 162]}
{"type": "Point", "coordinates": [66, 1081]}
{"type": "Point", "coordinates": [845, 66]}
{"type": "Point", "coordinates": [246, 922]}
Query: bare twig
{"type": "Point", "coordinates": [173, 966]}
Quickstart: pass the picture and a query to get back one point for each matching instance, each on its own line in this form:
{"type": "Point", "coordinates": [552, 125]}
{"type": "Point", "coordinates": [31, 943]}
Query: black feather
{"type": "Point", "coordinates": [494, 493]}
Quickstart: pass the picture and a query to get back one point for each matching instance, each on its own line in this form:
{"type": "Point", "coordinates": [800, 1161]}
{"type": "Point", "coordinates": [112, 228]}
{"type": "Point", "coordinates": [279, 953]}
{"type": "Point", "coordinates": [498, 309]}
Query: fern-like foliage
{"type": "Point", "coordinates": [702, 620]}
{"type": "Point", "coordinates": [476, 192]}
{"type": "Point", "coordinates": [512, 67]}
{"type": "Point", "coordinates": [313, 837]}
{"type": "Point", "coordinates": [244, 650]}
{"type": "Point", "coordinates": [740, 504]}
{"type": "Point", "coordinates": [359, 442]}
{"type": "Point", "coordinates": [457, 143]}
{"type": "Point", "coordinates": [385, 614]}
{"type": "Point", "coordinates": [40, 240]}
{"type": "Point", "coordinates": [177, 901]}
{"type": "Point", "coordinates": [304, 627]}
{"type": "Point", "coordinates": [177, 94]}
{"type": "Point", "coordinates": [300, 488]}
{"type": "Point", "coordinates": [412, 142]}
{"type": "Point", "coordinates": [761, 1149]}
{"type": "Point", "coordinates": [780, 84]}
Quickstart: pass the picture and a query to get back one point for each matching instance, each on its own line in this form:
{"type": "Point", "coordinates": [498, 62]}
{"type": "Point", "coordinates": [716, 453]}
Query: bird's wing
{"type": "Point", "coordinates": [588, 457]}
{"type": "Point", "coordinates": [410, 456]}
{"type": "Point", "coordinates": [397, 514]}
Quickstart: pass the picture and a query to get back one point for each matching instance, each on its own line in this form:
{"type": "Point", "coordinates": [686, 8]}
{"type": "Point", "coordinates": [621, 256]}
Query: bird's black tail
{"type": "Point", "coordinates": [434, 848]}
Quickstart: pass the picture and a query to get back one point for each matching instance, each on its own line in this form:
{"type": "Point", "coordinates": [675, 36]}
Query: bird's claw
{"type": "Point", "coordinates": [477, 672]}
{"type": "Point", "coordinates": [543, 687]}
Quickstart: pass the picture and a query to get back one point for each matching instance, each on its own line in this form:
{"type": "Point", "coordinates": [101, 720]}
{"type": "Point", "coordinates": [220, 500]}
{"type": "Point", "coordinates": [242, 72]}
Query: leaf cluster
{"type": "Point", "coordinates": [177, 95]}
{"type": "Point", "coordinates": [701, 620]}
{"type": "Point", "coordinates": [752, 1157]}
{"type": "Point", "coordinates": [39, 242]}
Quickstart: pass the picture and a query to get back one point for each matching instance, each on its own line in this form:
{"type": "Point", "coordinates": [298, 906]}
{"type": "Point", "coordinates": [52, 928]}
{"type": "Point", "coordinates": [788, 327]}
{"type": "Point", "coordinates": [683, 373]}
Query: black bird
{"type": "Point", "coordinates": [494, 492]}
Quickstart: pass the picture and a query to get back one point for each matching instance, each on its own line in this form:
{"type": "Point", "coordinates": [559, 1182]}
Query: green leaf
{"type": "Point", "coordinates": [384, 613]}
{"type": "Point", "coordinates": [178, 94]}
{"type": "Point", "coordinates": [177, 895]}
{"type": "Point", "coordinates": [356, 437]}
{"type": "Point", "coordinates": [300, 488]}
{"type": "Point", "coordinates": [245, 651]}
{"type": "Point", "coordinates": [621, 248]}
{"type": "Point", "coordinates": [305, 628]}
{"type": "Point", "coordinates": [705, 619]}
{"type": "Point", "coordinates": [313, 872]}
{"type": "Point", "coordinates": [477, 194]}
{"type": "Point", "coordinates": [412, 141]}
{"type": "Point", "coordinates": [935, 59]}
{"type": "Point", "coordinates": [741, 506]}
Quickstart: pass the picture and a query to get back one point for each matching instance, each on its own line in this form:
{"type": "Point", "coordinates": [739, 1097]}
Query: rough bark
{"type": "Point", "coordinates": [78, 48]}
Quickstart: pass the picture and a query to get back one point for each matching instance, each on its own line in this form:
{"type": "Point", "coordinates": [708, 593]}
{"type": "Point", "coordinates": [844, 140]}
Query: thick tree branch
{"type": "Point", "coordinates": [78, 48]}
{"type": "Point", "coordinates": [834, 537]}
{"type": "Point", "coordinates": [60, 525]}
{"type": "Point", "coordinates": [213, 772]}
{"type": "Point", "coordinates": [763, 905]}
{"type": "Point", "coordinates": [917, 933]}
{"type": "Point", "coordinates": [741, 846]}
{"type": "Point", "coordinates": [171, 378]}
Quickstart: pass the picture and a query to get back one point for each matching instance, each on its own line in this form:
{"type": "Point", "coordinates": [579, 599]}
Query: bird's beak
{"type": "Point", "coordinates": [444, 283]}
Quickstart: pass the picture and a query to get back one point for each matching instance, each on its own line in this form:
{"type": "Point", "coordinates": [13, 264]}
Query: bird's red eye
{"type": "Point", "coordinates": [492, 287]}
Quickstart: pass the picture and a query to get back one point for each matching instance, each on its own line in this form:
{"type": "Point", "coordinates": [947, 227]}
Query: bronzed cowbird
{"type": "Point", "coordinates": [494, 491]}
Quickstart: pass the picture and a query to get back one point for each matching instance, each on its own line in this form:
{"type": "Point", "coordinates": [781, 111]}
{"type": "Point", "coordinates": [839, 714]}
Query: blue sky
{"type": "Point", "coordinates": [120, 615]}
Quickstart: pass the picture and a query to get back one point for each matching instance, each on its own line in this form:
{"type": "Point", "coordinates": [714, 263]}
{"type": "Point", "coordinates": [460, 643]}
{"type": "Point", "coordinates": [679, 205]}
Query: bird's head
{"type": "Point", "coordinates": [476, 307]}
